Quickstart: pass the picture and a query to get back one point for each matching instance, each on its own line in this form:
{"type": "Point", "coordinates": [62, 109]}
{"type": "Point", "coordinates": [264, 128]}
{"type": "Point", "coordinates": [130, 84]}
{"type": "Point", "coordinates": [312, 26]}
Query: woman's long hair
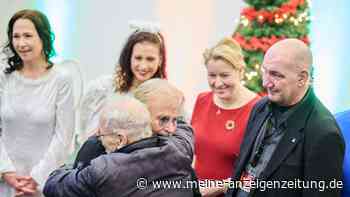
{"type": "Point", "coordinates": [123, 74]}
{"type": "Point", "coordinates": [43, 28]}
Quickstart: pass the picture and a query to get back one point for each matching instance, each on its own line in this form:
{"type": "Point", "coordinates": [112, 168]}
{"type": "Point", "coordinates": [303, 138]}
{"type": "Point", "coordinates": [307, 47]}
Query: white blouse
{"type": "Point", "coordinates": [37, 124]}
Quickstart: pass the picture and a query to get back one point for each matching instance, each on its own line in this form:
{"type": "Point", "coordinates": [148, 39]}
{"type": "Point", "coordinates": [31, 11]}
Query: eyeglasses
{"type": "Point", "coordinates": [165, 120]}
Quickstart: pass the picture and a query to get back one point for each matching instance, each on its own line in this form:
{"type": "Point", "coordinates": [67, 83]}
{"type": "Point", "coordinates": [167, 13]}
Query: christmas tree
{"type": "Point", "coordinates": [265, 22]}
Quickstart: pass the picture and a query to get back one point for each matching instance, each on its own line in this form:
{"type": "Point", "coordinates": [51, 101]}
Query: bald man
{"type": "Point", "coordinates": [292, 146]}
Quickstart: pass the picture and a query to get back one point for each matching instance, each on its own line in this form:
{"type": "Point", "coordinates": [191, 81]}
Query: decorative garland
{"type": "Point", "coordinates": [263, 43]}
{"type": "Point", "coordinates": [264, 23]}
{"type": "Point", "coordinates": [289, 8]}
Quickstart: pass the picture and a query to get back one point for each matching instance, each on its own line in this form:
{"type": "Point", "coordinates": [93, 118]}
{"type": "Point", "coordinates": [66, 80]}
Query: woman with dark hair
{"type": "Point", "coordinates": [36, 107]}
{"type": "Point", "coordinates": [143, 57]}
{"type": "Point", "coordinates": [43, 28]}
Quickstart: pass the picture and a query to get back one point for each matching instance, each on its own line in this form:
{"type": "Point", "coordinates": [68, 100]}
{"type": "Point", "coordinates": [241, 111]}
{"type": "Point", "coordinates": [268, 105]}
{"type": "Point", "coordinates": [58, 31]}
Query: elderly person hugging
{"type": "Point", "coordinates": [165, 104]}
{"type": "Point", "coordinates": [130, 123]}
{"type": "Point", "coordinates": [132, 151]}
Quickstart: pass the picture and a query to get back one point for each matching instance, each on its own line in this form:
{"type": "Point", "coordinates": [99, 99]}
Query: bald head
{"type": "Point", "coordinates": [293, 51]}
{"type": "Point", "coordinates": [287, 71]}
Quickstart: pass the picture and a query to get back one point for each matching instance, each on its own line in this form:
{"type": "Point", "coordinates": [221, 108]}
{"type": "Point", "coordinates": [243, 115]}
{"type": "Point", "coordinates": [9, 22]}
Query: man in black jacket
{"type": "Point", "coordinates": [292, 146]}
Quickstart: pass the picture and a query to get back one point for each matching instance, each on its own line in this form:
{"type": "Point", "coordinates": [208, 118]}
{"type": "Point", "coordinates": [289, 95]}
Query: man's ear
{"type": "Point", "coordinates": [123, 139]}
{"type": "Point", "coordinates": [303, 78]}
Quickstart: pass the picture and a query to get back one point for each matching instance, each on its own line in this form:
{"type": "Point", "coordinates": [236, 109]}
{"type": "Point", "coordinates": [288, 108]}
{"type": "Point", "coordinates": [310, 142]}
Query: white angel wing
{"type": "Point", "coordinates": [95, 95]}
{"type": "Point", "coordinates": [3, 61]}
{"type": "Point", "coordinates": [73, 68]}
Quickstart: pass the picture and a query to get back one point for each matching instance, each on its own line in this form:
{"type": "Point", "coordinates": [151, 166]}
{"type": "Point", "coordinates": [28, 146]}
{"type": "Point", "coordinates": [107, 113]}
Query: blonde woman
{"type": "Point", "coordinates": [220, 116]}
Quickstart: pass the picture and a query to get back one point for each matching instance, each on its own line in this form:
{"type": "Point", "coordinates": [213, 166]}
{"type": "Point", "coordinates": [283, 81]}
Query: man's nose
{"type": "Point", "coordinates": [170, 127]}
{"type": "Point", "coordinates": [267, 82]}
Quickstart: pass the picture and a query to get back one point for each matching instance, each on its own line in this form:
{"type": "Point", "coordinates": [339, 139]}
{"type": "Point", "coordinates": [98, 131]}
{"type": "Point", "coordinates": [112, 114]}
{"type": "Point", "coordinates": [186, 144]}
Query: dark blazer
{"type": "Point", "coordinates": [91, 149]}
{"type": "Point", "coordinates": [312, 149]}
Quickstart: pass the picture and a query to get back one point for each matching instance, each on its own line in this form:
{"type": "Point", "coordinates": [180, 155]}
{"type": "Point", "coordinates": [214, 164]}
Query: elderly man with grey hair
{"type": "Point", "coordinates": [135, 164]}
{"type": "Point", "coordinates": [124, 120]}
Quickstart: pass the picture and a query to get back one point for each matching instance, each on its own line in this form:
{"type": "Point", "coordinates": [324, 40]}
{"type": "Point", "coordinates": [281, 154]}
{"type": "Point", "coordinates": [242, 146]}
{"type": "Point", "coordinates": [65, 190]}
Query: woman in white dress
{"type": "Point", "coordinates": [36, 108]}
{"type": "Point", "coordinates": [143, 57]}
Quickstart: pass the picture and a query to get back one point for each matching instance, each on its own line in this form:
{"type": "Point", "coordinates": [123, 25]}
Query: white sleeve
{"type": "Point", "coordinates": [6, 164]}
{"type": "Point", "coordinates": [91, 105]}
{"type": "Point", "coordinates": [58, 150]}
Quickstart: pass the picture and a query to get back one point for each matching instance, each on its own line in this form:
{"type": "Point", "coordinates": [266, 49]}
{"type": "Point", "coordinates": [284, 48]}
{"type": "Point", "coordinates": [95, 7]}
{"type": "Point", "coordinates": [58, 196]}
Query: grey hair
{"type": "Point", "coordinates": [124, 112]}
{"type": "Point", "coordinates": [160, 88]}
